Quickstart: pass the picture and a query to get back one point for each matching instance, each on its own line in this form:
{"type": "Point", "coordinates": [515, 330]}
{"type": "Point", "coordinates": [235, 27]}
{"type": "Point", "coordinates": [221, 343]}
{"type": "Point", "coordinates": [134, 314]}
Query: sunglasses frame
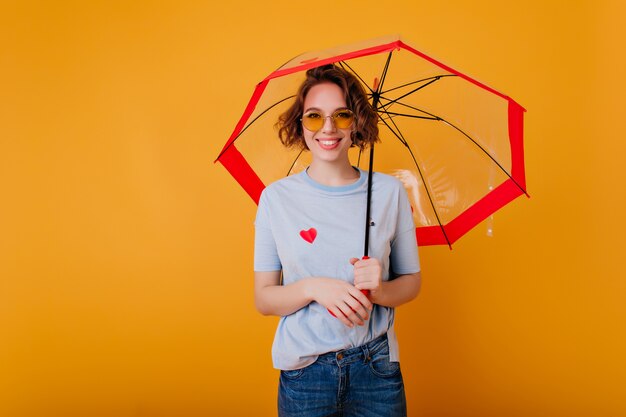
{"type": "Point", "coordinates": [323, 118]}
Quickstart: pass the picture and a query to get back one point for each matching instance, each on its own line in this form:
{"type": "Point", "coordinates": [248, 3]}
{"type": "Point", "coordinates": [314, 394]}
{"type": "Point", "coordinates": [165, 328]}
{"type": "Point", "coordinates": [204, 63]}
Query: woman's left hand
{"type": "Point", "coordinates": [368, 275]}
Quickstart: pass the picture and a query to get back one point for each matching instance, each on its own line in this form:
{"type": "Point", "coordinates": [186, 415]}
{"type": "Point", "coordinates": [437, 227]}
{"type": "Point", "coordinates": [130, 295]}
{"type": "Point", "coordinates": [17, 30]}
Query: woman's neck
{"type": "Point", "coordinates": [333, 174]}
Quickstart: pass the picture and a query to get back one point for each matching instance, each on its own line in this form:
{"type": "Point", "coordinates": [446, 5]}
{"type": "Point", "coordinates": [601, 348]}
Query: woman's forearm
{"type": "Point", "coordinates": [398, 291]}
{"type": "Point", "coordinates": [282, 300]}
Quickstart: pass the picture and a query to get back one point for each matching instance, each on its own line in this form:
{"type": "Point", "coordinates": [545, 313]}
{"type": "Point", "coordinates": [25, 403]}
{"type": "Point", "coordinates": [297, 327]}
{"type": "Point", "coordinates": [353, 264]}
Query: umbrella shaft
{"type": "Point", "coordinates": [369, 200]}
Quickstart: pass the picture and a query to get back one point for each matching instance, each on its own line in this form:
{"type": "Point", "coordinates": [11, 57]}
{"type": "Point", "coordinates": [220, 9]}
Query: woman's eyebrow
{"type": "Point", "coordinates": [319, 110]}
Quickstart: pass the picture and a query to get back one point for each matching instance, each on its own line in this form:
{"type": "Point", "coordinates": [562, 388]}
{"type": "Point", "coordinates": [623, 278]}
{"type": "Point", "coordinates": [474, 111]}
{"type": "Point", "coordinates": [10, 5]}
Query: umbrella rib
{"type": "Point", "coordinates": [397, 133]}
{"type": "Point", "coordinates": [414, 116]}
{"type": "Point", "coordinates": [412, 91]}
{"type": "Point", "coordinates": [400, 137]}
{"type": "Point", "coordinates": [388, 105]}
{"type": "Point", "coordinates": [294, 162]}
{"type": "Point", "coordinates": [434, 78]}
{"type": "Point", "coordinates": [437, 118]}
{"type": "Point", "coordinates": [250, 124]}
{"type": "Point", "coordinates": [342, 63]}
{"type": "Point", "coordinates": [384, 74]}
{"type": "Point", "coordinates": [486, 153]}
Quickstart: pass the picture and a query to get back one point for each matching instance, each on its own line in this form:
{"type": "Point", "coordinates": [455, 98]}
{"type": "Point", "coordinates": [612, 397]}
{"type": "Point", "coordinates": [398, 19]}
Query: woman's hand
{"type": "Point", "coordinates": [368, 275]}
{"type": "Point", "coordinates": [342, 299]}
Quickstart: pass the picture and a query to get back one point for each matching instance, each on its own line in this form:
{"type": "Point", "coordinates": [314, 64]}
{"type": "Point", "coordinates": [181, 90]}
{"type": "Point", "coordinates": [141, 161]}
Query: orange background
{"type": "Point", "coordinates": [126, 254]}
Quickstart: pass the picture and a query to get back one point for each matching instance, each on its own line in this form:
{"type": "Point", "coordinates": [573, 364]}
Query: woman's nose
{"type": "Point", "coordinates": [329, 124]}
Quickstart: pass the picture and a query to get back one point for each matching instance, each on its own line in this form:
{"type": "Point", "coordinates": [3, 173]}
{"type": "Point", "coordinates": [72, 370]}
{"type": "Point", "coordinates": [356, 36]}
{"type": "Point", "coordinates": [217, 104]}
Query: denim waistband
{"type": "Point", "coordinates": [351, 355]}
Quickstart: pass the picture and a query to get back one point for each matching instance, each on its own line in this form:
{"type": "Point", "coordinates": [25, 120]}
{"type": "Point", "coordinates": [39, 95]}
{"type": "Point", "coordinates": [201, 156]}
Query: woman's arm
{"type": "Point", "coordinates": [346, 302]}
{"type": "Point", "coordinates": [398, 291]}
{"type": "Point", "coordinates": [271, 298]}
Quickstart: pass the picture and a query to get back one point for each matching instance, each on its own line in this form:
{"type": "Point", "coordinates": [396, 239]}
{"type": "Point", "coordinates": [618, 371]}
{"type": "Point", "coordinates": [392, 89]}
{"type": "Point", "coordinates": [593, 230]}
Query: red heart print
{"type": "Point", "coordinates": [309, 235]}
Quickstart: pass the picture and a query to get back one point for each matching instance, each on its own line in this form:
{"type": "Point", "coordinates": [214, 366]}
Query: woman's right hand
{"type": "Point", "coordinates": [342, 299]}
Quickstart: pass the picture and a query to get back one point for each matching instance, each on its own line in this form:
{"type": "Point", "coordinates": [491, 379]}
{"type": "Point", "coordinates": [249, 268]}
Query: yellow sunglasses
{"type": "Point", "coordinates": [314, 120]}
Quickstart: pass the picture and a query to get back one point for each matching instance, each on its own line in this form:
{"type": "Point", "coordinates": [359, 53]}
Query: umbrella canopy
{"type": "Point", "coordinates": [455, 143]}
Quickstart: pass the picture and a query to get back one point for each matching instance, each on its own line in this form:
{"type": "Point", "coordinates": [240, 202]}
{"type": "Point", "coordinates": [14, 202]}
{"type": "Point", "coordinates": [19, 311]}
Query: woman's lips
{"type": "Point", "coordinates": [328, 144]}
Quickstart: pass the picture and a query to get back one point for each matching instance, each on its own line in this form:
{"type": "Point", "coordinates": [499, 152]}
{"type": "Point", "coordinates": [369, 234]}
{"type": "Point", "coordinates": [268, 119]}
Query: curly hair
{"type": "Point", "coordinates": [365, 128]}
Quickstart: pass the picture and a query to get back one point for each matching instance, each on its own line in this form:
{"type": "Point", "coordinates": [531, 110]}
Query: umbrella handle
{"type": "Point", "coordinates": [365, 292]}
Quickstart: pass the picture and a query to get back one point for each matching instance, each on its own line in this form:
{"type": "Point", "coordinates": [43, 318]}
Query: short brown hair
{"type": "Point", "coordinates": [365, 129]}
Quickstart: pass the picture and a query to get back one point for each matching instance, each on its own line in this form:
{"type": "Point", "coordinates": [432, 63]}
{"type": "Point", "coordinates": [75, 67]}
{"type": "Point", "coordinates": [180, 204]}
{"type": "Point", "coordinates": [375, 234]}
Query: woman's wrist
{"type": "Point", "coordinates": [377, 297]}
{"type": "Point", "coordinates": [308, 288]}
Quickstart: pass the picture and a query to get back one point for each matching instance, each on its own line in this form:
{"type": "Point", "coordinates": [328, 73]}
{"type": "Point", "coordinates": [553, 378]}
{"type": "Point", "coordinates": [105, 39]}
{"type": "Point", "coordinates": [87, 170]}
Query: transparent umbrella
{"type": "Point", "coordinates": [455, 143]}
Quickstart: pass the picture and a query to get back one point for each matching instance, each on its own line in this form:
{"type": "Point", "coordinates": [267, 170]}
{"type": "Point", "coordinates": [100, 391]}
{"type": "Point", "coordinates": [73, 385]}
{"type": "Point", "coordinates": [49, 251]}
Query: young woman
{"type": "Point", "coordinates": [309, 229]}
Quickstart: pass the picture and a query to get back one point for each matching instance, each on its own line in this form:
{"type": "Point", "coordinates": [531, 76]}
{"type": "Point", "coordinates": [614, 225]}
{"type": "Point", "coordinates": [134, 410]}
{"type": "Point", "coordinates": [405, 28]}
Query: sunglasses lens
{"type": "Point", "coordinates": [343, 119]}
{"type": "Point", "coordinates": [313, 121]}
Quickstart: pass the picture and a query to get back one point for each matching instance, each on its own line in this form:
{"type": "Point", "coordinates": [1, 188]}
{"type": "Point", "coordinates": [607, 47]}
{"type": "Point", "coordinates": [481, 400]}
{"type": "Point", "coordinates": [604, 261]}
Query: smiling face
{"type": "Point", "coordinates": [328, 144]}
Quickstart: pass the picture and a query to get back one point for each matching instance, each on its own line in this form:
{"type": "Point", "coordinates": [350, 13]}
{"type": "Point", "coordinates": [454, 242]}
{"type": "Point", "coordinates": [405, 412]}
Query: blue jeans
{"type": "Point", "coordinates": [359, 382]}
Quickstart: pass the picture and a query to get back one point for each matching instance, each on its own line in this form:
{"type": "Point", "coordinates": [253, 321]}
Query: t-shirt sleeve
{"type": "Point", "coordinates": [404, 256]}
{"type": "Point", "coordinates": [265, 251]}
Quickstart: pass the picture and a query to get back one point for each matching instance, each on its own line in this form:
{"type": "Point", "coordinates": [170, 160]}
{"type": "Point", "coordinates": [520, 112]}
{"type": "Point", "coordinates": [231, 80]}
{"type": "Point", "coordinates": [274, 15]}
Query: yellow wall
{"type": "Point", "coordinates": [125, 254]}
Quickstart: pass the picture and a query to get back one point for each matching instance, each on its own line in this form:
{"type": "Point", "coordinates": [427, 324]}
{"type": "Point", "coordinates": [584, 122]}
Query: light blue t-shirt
{"type": "Point", "coordinates": [308, 229]}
